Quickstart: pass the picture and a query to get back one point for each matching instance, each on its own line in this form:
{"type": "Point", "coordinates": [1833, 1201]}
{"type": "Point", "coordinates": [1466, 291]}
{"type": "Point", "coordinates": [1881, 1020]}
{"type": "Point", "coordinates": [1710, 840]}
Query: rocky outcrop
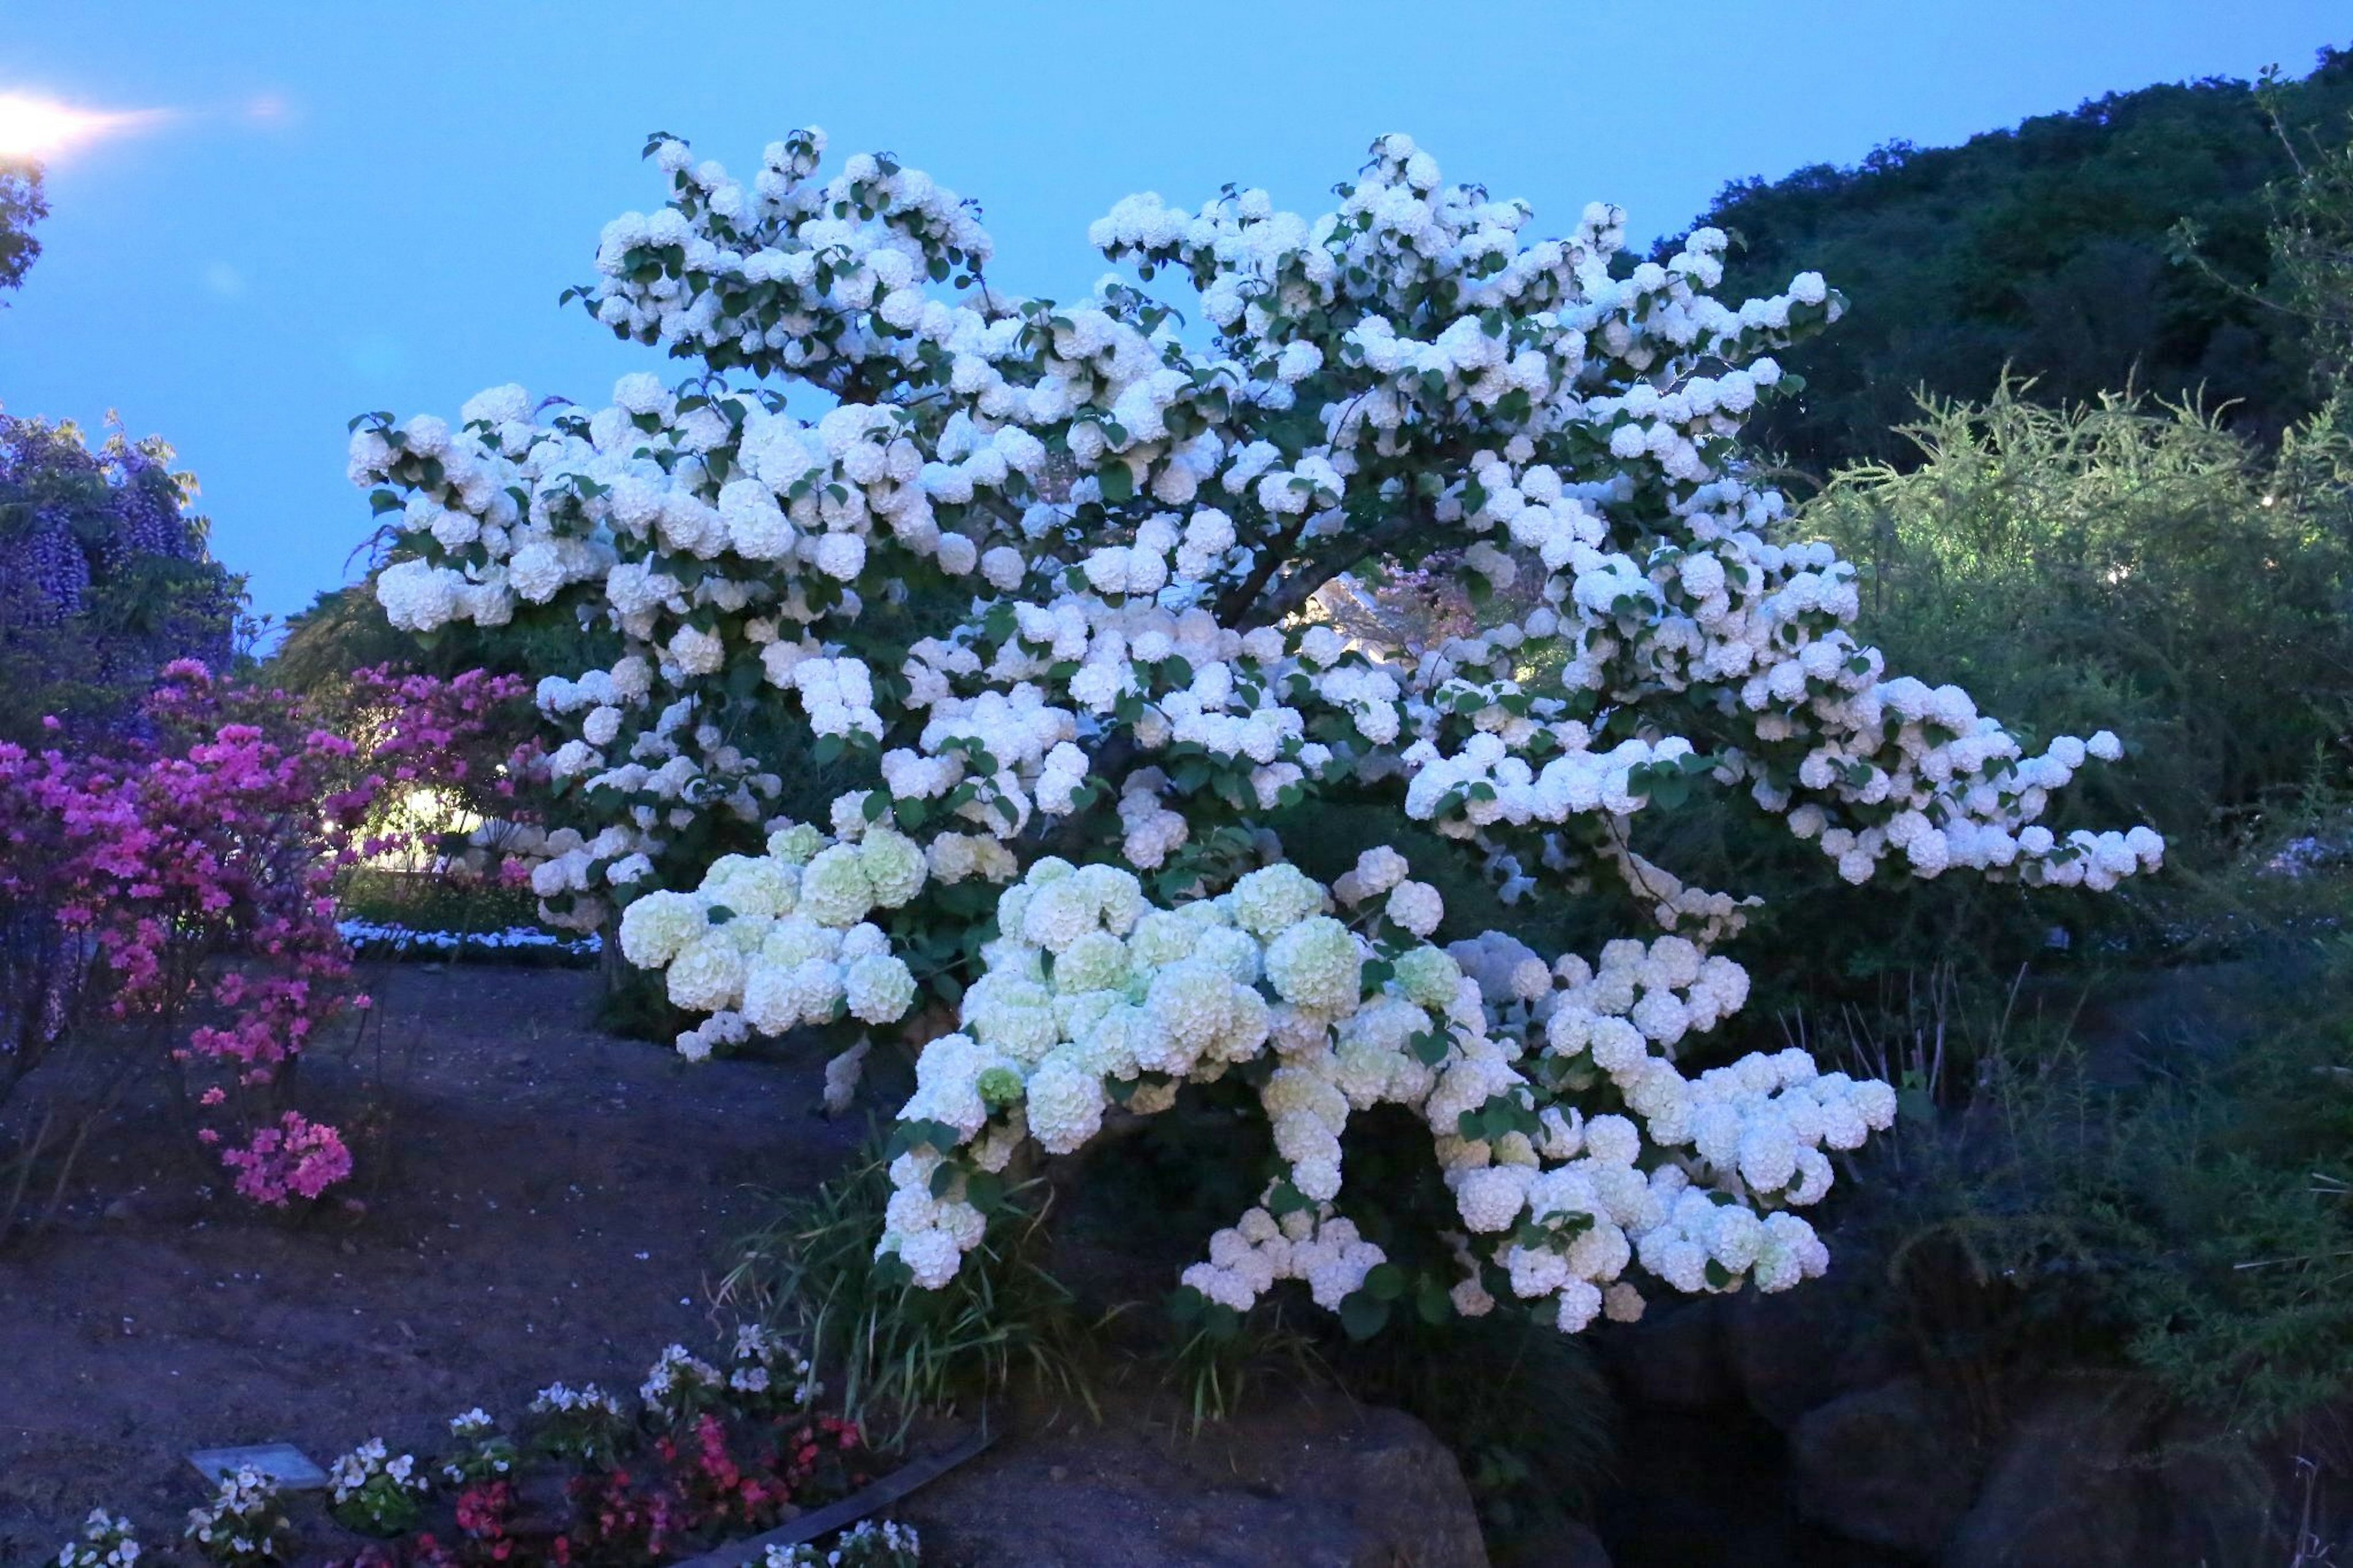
{"type": "Point", "coordinates": [1794, 1350]}
{"type": "Point", "coordinates": [2094, 1475]}
{"type": "Point", "coordinates": [1674, 1358]}
{"type": "Point", "coordinates": [1290, 1482]}
{"type": "Point", "coordinates": [1887, 1466]}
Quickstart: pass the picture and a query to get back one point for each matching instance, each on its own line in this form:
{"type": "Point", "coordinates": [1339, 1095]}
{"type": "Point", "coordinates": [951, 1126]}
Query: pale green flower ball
{"type": "Point", "coordinates": [1110, 1047]}
{"type": "Point", "coordinates": [752, 887]}
{"type": "Point", "coordinates": [1235, 951]}
{"type": "Point", "coordinates": [1428, 976]}
{"type": "Point", "coordinates": [709, 976]}
{"type": "Point", "coordinates": [797, 938]}
{"type": "Point", "coordinates": [835, 890]}
{"type": "Point", "coordinates": [1015, 1017]}
{"type": "Point", "coordinates": [1012, 906]}
{"type": "Point", "coordinates": [657, 926]}
{"type": "Point", "coordinates": [1275, 898]}
{"type": "Point", "coordinates": [1163, 938]}
{"type": "Point", "coordinates": [1194, 1001]}
{"type": "Point", "coordinates": [770, 1002]}
{"type": "Point", "coordinates": [796, 844]}
{"type": "Point", "coordinates": [1315, 964]}
{"type": "Point", "coordinates": [1065, 1104]}
{"type": "Point", "coordinates": [999, 1087]}
{"type": "Point", "coordinates": [1078, 1013]}
{"type": "Point", "coordinates": [1059, 914]}
{"type": "Point", "coordinates": [1095, 962]}
{"type": "Point", "coordinates": [1118, 897]}
{"type": "Point", "coordinates": [1247, 1025]}
{"type": "Point", "coordinates": [748, 933]}
{"type": "Point", "coordinates": [894, 864]}
{"type": "Point", "coordinates": [879, 989]}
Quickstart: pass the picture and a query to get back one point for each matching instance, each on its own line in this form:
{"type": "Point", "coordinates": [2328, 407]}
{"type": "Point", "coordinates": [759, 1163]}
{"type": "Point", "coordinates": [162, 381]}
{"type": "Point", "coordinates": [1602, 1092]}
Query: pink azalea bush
{"type": "Point", "coordinates": [183, 877]}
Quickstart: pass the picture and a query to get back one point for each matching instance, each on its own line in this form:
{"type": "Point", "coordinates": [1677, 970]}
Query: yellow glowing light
{"type": "Point", "coordinates": [42, 128]}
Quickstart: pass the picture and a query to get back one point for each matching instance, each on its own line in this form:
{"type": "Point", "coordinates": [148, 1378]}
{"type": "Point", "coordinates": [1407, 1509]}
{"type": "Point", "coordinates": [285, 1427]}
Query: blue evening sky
{"type": "Point", "coordinates": [350, 208]}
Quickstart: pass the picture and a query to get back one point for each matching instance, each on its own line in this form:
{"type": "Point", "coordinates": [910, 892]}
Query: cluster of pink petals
{"type": "Point", "coordinates": [297, 1158]}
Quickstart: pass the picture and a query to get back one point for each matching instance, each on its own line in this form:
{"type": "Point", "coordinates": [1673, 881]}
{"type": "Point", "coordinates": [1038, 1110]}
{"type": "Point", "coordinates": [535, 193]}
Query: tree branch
{"type": "Point", "coordinates": [1349, 548]}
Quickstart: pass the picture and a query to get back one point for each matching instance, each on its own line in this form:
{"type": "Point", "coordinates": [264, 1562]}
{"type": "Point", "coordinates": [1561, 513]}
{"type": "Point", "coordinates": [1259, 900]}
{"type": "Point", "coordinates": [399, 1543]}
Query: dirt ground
{"type": "Point", "coordinates": [559, 1204]}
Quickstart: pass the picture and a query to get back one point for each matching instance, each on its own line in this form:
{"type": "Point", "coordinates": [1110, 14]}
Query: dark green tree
{"type": "Point", "coordinates": [2044, 251]}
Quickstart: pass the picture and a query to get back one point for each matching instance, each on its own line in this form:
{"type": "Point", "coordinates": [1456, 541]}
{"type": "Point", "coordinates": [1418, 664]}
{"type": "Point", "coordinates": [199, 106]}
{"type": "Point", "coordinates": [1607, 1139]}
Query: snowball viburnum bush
{"type": "Point", "coordinates": [1063, 835]}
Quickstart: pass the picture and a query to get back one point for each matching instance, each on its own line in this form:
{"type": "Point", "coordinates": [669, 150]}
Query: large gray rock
{"type": "Point", "coordinates": [2096, 1473]}
{"type": "Point", "coordinates": [1291, 1482]}
{"type": "Point", "coordinates": [1672, 1358]}
{"type": "Point", "coordinates": [1795, 1349]}
{"type": "Point", "coordinates": [1889, 1466]}
{"type": "Point", "coordinates": [2072, 1487]}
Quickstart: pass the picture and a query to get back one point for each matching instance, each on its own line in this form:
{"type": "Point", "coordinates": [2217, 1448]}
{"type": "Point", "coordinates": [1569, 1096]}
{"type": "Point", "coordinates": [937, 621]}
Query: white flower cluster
{"type": "Point", "coordinates": [681, 1385]}
{"type": "Point", "coordinates": [588, 1400]}
{"type": "Point", "coordinates": [770, 1370]}
{"type": "Point", "coordinates": [581, 1422]}
{"type": "Point", "coordinates": [1096, 1001]}
{"type": "Point", "coordinates": [485, 1455]}
{"type": "Point", "coordinates": [242, 1523]}
{"type": "Point", "coordinates": [379, 938]}
{"type": "Point", "coordinates": [774, 941]}
{"type": "Point", "coordinates": [107, 1540]}
{"type": "Point", "coordinates": [869, 1544]}
{"type": "Point", "coordinates": [373, 1465]}
{"type": "Point", "coordinates": [1138, 521]}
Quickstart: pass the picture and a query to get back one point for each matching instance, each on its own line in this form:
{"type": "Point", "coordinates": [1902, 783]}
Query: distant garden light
{"type": "Point", "coordinates": [32, 127]}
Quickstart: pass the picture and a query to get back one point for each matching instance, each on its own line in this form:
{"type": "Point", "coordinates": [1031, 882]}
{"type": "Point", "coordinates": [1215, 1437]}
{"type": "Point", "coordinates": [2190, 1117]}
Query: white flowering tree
{"type": "Point", "coordinates": [1062, 835]}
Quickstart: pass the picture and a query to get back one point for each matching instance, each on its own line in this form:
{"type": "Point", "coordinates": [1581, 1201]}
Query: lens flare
{"type": "Point", "coordinates": [32, 127]}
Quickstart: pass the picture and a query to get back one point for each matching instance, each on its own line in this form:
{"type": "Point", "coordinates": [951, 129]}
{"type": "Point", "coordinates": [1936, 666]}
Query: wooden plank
{"type": "Point", "coordinates": [849, 1511]}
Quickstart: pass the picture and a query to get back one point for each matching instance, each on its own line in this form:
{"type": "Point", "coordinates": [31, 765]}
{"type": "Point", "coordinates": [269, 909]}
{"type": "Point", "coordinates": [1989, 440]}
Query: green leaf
{"type": "Point", "coordinates": [1362, 1315]}
{"type": "Point", "coordinates": [1118, 482]}
{"type": "Point", "coordinates": [1385, 1282]}
{"type": "Point", "coordinates": [1287, 1200]}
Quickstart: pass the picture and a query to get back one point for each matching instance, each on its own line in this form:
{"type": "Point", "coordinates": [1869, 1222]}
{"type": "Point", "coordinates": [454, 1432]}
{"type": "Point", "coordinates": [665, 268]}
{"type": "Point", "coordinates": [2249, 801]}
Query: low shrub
{"type": "Point", "coordinates": [899, 1350]}
{"type": "Point", "coordinates": [2182, 1207]}
{"type": "Point", "coordinates": [2122, 564]}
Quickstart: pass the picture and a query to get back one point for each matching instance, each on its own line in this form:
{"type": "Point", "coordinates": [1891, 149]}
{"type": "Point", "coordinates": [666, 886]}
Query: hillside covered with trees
{"type": "Point", "coordinates": [2049, 249]}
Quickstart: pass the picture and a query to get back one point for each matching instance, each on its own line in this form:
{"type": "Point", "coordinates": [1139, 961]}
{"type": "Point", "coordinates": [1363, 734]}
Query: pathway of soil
{"type": "Point", "coordinates": [559, 1204]}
